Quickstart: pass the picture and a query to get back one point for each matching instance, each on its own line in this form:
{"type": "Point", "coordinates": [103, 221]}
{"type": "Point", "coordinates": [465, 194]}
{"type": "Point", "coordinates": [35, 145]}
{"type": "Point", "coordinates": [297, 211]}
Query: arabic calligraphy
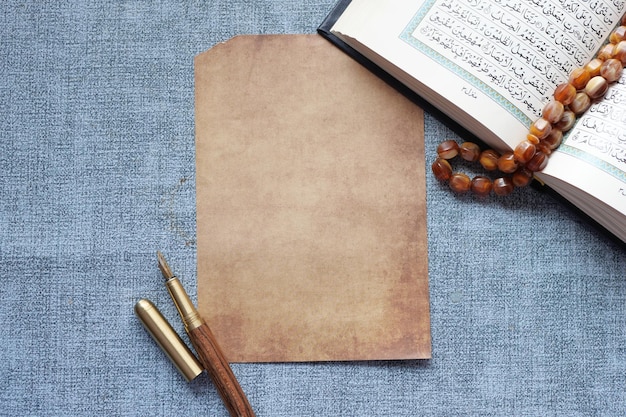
{"type": "Point", "coordinates": [520, 48]}
{"type": "Point", "coordinates": [470, 92]}
{"type": "Point", "coordinates": [601, 130]}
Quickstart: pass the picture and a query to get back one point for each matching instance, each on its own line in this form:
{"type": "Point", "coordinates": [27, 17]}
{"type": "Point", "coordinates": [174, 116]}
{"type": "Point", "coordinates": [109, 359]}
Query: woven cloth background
{"type": "Point", "coordinates": [528, 300]}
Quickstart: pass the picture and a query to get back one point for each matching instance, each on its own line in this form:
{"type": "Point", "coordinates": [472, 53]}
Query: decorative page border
{"type": "Point", "coordinates": [407, 37]}
{"type": "Point", "coordinates": [593, 160]}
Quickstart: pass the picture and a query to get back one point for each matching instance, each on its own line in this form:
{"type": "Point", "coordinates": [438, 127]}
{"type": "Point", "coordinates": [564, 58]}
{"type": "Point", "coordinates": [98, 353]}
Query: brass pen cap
{"type": "Point", "coordinates": [167, 338]}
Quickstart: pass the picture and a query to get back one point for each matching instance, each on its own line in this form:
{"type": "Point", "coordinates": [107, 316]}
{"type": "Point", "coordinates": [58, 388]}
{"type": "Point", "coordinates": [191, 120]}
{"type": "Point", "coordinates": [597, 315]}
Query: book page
{"type": "Point", "coordinates": [600, 134]}
{"type": "Point", "coordinates": [494, 62]}
{"type": "Point", "coordinates": [592, 158]}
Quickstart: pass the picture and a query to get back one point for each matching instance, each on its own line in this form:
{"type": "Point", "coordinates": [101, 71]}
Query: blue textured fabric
{"type": "Point", "coordinates": [97, 173]}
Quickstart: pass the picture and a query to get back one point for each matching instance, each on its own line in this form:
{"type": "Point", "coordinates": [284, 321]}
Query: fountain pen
{"type": "Point", "coordinates": [209, 352]}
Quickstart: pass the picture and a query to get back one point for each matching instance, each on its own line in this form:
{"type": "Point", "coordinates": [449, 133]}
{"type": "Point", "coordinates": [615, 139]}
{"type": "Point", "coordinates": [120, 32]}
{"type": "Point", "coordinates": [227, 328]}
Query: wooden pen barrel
{"type": "Point", "coordinates": [211, 356]}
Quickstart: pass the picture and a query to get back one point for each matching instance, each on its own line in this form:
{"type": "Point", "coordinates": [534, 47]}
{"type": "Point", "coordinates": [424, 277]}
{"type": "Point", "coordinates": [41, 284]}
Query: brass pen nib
{"type": "Point", "coordinates": [186, 309]}
{"type": "Point", "coordinates": [163, 266]}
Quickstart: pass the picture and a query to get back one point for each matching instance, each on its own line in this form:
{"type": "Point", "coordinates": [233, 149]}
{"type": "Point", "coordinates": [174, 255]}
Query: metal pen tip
{"type": "Point", "coordinates": [163, 266]}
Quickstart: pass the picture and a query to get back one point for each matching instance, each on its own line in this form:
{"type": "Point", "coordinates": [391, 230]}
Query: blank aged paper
{"type": "Point", "coordinates": [311, 205]}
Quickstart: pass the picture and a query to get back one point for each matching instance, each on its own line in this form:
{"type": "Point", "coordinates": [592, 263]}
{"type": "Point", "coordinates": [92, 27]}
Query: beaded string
{"type": "Point", "coordinates": [570, 99]}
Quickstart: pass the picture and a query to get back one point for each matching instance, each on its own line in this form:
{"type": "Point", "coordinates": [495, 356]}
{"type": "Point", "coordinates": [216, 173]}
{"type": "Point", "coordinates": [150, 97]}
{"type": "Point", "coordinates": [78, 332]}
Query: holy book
{"type": "Point", "coordinates": [492, 66]}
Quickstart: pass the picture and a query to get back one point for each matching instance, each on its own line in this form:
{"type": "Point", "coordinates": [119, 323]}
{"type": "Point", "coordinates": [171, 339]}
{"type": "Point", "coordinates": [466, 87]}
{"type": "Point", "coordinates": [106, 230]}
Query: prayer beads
{"type": "Point", "coordinates": [491, 161]}
{"type": "Point", "coordinates": [570, 99]}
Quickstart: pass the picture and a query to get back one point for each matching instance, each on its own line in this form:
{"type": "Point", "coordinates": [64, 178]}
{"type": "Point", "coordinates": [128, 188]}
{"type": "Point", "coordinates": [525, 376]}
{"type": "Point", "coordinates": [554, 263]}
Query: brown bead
{"type": "Point", "coordinates": [469, 151]}
{"type": "Point", "coordinates": [553, 111]}
{"type": "Point", "coordinates": [538, 162]}
{"type": "Point", "coordinates": [489, 159]}
{"type": "Point", "coordinates": [596, 87]}
{"type": "Point", "coordinates": [611, 70]}
{"type": "Point", "coordinates": [522, 177]}
{"type": "Point", "coordinates": [554, 139]}
{"type": "Point", "coordinates": [618, 34]}
{"type": "Point", "coordinates": [503, 186]}
{"type": "Point", "coordinates": [541, 128]}
{"type": "Point", "coordinates": [593, 67]}
{"type": "Point", "coordinates": [524, 151]}
{"type": "Point", "coordinates": [580, 104]}
{"type": "Point", "coordinates": [544, 148]}
{"type": "Point", "coordinates": [606, 52]}
{"type": "Point", "coordinates": [566, 122]}
{"type": "Point", "coordinates": [532, 139]}
{"type": "Point", "coordinates": [442, 169]}
{"type": "Point", "coordinates": [460, 183]}
{"type": "Point", "coordinates": [481, 185]}
{"type": "Point", "coordinates": [624, 19]}
{"type": "Point", "coordinates": [619, 52]}
{"type": "Point", "coordinates": [565, 93]}
{"type": "Point", "coordinates": [448, 149]}
{"type": "Point", "coordinates": [579, 78]}
{"type": "Point", "coordinates": [507, 163]}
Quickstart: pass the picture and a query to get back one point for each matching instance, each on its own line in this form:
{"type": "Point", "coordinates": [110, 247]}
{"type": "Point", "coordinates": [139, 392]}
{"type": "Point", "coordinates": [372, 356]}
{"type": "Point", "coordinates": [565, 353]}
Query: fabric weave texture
{"type": "Point", "coordinates": [528, 299]}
